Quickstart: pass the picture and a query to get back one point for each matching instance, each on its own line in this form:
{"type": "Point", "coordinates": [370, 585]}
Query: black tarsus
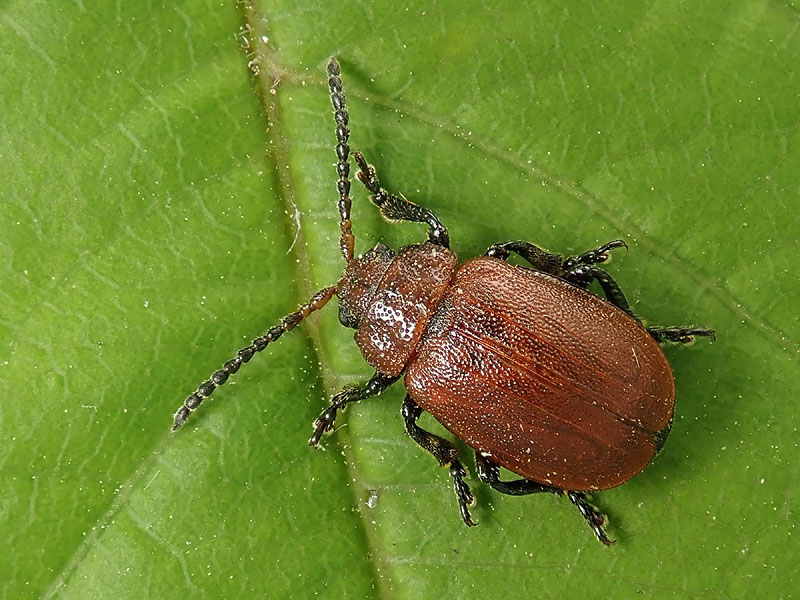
{"type": "Point", "coordinates": [352, 393]}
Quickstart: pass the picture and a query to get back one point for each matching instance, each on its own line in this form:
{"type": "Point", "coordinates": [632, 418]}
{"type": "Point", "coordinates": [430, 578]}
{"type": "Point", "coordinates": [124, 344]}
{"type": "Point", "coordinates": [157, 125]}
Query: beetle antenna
{"type": "Point", "coordinates": [347, 240]}
{"type": "Point", "coordinates": [205, 389]}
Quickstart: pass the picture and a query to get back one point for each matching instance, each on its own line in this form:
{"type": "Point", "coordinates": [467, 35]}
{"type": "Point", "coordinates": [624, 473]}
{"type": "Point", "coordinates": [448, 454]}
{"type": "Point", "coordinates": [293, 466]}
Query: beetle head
{"type": "Point", "coordinates": [359, 282]}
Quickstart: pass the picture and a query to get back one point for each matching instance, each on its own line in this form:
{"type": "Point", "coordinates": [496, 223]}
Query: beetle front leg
{"type": "Point", "coordinates": [444, 452]}
{"type": "Point", "coordinates": [351, 393]}
{"type": "Point", "coordinates": [489, 473]}
{"type": "Point", "coordinates": [396, 208]}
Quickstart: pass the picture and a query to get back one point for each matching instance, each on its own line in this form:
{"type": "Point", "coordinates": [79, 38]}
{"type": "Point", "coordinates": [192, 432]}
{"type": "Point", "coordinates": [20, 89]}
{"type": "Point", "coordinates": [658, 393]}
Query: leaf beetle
{"type": "Point", "coordinates": [566, 389]}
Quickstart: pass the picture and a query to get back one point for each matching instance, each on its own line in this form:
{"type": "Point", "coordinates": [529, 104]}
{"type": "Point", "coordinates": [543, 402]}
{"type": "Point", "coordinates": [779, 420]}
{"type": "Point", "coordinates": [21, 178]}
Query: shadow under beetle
{"type": "Point", "coordinates": [568, 390]}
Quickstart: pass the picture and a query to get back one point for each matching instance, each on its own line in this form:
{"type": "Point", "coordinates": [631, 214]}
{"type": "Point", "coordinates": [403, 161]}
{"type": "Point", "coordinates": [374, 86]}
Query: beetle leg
{"type": "Point", "coordinates": [550, 262]}
{"type": "Point", "coordinates": [351, 393]}
{"type": "Point", "coordinates": [684, 335]}
{"type": "Point", "coordinates": [593, 256]}
{"type": "Point", "coordinates": [582, 275]}
{"type": "Point", "coordinates": [205, 389]}
{"type": "Point", "coordinates": [540, 259]}
{"type": "Point", "coordinates": [394, 208]}
{"type": "Point", "coordinates": [443, 451]}
{"type": "Point", "coordinates": [592, 516]}
{"type": "Point", "coordinates": [577, 270]}
{"type": "Point", "coordinates": [489, 473]}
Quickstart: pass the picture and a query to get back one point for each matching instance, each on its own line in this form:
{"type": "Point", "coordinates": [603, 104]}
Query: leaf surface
{"type": "Point", "coordinates": [161, 206]}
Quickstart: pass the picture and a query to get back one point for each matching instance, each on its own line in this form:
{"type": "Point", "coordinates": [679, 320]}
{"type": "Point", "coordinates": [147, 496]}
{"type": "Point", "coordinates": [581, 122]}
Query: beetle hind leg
{"type": "Point", "coordinates": [444, 452]}
{"type": "Point", "coordinates": [489, 473]}
{"type": "Point", "coordinates": [592, 516]}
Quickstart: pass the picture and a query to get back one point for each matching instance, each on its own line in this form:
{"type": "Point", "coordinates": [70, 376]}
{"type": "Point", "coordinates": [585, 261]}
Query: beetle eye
{"type": "Point", "coordinates": [346, 318]}
{"type": "Point", "coordinates": [380, 247]}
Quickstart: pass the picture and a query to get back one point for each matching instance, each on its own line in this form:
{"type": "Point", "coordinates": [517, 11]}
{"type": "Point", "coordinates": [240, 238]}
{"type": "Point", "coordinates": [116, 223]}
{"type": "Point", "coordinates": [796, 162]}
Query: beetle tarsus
{"type": "Point", "coordinates": [682, 335]}
{"type": "Point", "coordinates": [595, 519]}
{"type": "Point", "coordinates": [350, 393]}
{"type": "Point", "coordinates": [322, 424]}
{"type": "Point", "coordinates": [463, 493]}
{"type": "Point", "coordinates": [593, 256]}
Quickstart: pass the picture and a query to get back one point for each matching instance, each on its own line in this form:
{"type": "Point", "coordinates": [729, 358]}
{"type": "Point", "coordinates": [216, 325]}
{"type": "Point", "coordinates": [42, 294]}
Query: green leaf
{"type": "Point", "coordinates": [161, 206]}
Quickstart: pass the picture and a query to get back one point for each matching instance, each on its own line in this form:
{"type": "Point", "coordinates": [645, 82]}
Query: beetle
{"type": "Point", "coordinates": [568, 390]}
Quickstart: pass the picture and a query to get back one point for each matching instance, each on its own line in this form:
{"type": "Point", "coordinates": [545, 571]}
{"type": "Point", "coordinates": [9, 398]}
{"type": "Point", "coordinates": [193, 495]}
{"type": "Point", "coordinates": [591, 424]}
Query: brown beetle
{"type": "Point", "coordinates": [526, 366]}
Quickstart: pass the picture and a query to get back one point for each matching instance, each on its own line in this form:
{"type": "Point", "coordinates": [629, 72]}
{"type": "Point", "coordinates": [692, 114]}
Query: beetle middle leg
{"type": "Point", "coordinates": [351, 393]}
{"type": "Point", "coordinates": [577, 270]}
{"type": "Point", "coordinates": [489, 473]}
{"type": "Point", "coordinates": [583, 275]}
{"type": "Point", "coordinates": [551, 262]}
{"type": "Point", "coordinates": [540, 259]}
{"type": "Point", "coordinates": [443, 451]}
{"type": "Point", "coordinates": [580, 271]}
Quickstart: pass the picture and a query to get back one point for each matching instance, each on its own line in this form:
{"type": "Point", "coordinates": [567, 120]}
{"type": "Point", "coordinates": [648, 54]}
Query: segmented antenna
{"type": "Point", "coordinates": [347, 240]}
